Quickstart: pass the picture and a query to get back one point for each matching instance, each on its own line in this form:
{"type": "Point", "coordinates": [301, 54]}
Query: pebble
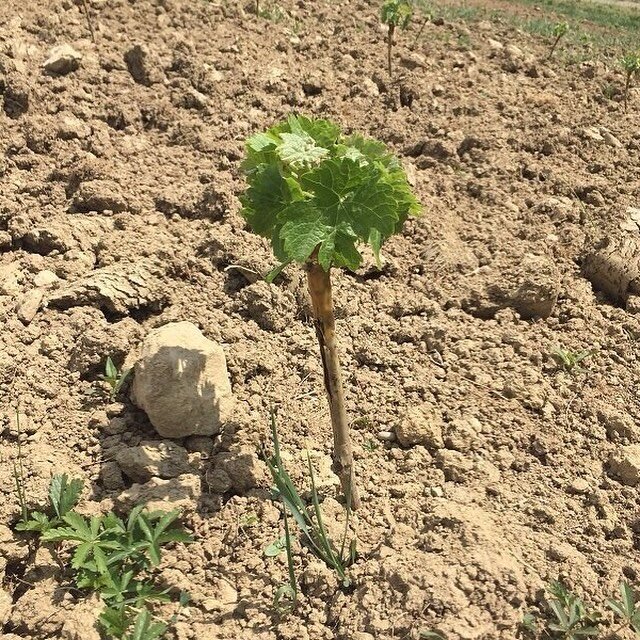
{"type": "Point", "coordinates": [62, 60]}
{"type": "Point", "coordinates": [387, 436]}
{"type": "Point", "coordinates": [29, 305]}
{"type": "Point", "coordinates": [45, 278]}
{"type": "Point", "coordinates": [579, 485]}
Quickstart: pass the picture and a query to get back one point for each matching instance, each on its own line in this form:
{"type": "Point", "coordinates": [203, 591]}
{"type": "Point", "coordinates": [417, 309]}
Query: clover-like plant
{"type": "Point", "coordinates": [316, 194]}
{"type": "Point", "coordinates": [631, 65]}
{"type": "Point", "coordinates": [559, 31]}
{"type": "Point", "coordinates": [395, 14]}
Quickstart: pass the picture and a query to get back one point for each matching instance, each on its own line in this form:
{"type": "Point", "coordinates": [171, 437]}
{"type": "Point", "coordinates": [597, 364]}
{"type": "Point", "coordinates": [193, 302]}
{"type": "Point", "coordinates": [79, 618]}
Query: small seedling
{"type": "Point", "coordinates": [427, 18]}
{"type": "Point", "coordinates": [316, 194]}
{"type": "Point", "coordinates": [114, 377]}
{"type": "Point", "coordinates": [395, 14]}
{"type": "Point", "coordinates": [569, 360]}
{"type": "Point", "coordinates": [573, 620]}
{"type": "Point", "coordinates": [308, 519]}
{"type": "Point", "coordinates": [631, 65]}
{"type": "Point", "coordinates": [559, 31]}
{"type": "Point", "coordinates": [627, 608]}
{"type": "Point", "coordinates": [275, 548]}
{"type": "Point", "coordinates": [110, 556]}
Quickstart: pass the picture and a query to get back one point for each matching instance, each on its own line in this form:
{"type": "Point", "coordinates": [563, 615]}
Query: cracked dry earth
{"type": "Point", "coordinates": [486, 471]}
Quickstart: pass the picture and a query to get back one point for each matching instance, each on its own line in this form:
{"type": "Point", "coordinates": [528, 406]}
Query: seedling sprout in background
{"type": "Point", "coordinates": [114, 377]}
{"type": "Point", "coordinates": [569, 360]}
{"type": "Point", "coordinates": [110, 556]}
{"type": "Point", "coordinates": [631, 65]}
{"type": "Point", "coordinates": [559, 30]}
{"type": "Point", "coordinates": [395, 14]}
{"type": "Point", "coordinates": [316, 194]}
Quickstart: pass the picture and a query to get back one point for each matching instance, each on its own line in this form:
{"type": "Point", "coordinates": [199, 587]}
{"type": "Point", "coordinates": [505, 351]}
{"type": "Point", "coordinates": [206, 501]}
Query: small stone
{"type": "Point", "coordinates": [154, 459]}
{"type": "Point", "coordinates": [421, 425]}
{"type": "Point", "coordinates": [436, 492]}
{"type": "Point", "coordinates": [592, 133]}
{"type": "Point", "coordinates": [45, 278]}
{"type": "Point", "coordinates": [387, 436]}
{"type": "Point", "coordinates": [181, 381]}
{"type": "Point", "coordinates": [624, 464]}
{"type": "Point", "coordinates": [579, 485]}
{"type": "Point", "coordinates": [369, 88]}
{"type": "Point", "coordinates": [610, 139]}
{"type": "Point", "coordinates": [142, 68]}
{"type": "Point", "coordinates": [62, 60]}
{"type": "Point", "coordinates": [99, 196]}
{"type": "Point", "coordinates": [163, 495]}
{"type": "Point", "coordinates": [29, 305]}
{"type": "Point", "coordinates": [71, 128]}
{"type": "Point", "coordinates": [494, 45]}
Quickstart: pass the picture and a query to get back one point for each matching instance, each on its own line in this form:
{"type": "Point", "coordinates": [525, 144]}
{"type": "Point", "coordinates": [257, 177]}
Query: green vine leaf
{"type": "Point", "coordinates": [314, 192]}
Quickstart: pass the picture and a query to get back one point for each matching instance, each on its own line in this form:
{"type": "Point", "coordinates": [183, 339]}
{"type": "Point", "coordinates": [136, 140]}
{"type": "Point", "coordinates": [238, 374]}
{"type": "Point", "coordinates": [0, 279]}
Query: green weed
{"type": "Point", "coordinates": [110, 556]}
{"type": "Point", "coordinates": [308, 519]}
{"type": "Point", "coordinates": [569, 360]}
{"type": "Point", "coordinates": [575, 620]}
{"type": "Point", "coordinates": [114, 377]}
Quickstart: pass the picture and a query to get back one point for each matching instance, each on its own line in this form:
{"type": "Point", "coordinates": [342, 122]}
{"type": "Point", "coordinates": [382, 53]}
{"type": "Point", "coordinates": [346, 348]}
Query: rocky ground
{"type": "Point", "coordinates": [486, 469]}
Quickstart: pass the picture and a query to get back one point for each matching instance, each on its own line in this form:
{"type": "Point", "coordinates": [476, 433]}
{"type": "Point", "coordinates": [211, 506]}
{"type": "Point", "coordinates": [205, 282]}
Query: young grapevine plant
{"type": "Point", "coordinates": [395, 14]}
{"type": "Point", "coordinates": [317, 194]}
{"type": "Point", "coordinates": [631, 65]}
{"type": "Point", "coordinates": [559, 31]}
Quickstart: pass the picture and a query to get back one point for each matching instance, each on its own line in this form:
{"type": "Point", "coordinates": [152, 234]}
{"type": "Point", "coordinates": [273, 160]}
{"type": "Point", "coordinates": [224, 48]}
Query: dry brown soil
{"type": "Point", "coordinates": [519, 162]}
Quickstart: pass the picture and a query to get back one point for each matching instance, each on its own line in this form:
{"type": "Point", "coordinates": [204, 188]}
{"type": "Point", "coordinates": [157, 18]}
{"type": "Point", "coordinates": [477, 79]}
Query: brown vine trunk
{"type": "Point", "coordinates": [553, 47]}
{"type": "Point", "coordinates": [627, 83]}
{"type": "Point", "coordinates": [319, 283]}
{"type": "Point", "coordinates": [88, 18]}
{"type": "Point", "coordinates": [392, 29]}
